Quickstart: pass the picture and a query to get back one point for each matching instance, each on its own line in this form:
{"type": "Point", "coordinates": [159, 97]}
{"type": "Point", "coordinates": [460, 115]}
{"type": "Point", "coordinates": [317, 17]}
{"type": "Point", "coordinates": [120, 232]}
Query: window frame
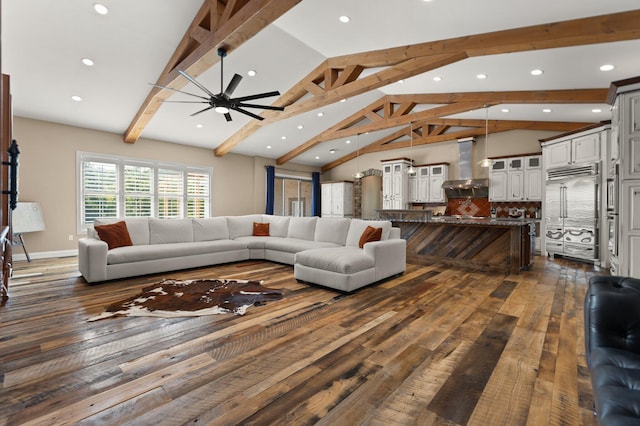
{"type": "Point", "coordinates": [121, 162]}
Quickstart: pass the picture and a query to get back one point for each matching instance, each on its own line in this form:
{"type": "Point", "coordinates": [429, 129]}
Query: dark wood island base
{"type": "Point", "coordinates": [480, 244]}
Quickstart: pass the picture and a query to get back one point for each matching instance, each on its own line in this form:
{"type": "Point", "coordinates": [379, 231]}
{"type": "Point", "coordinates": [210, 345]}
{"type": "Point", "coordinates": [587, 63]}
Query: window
{"type": "Point", "coordinates": [112, 186]}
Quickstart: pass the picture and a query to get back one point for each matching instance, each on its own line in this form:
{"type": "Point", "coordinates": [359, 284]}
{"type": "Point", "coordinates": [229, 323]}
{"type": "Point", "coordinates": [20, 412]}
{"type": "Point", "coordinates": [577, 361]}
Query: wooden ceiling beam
{"type": "Point", "coordinates": [598, 29]}
{"type": "Point", "coordinates": [216, 24]}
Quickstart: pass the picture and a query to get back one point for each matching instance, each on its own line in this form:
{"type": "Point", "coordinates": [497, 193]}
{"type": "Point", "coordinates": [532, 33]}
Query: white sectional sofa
{"type": "Point", "coordinates": [323, 251]}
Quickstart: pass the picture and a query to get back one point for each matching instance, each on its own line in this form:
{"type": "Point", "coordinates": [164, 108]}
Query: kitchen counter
{"type": "Point", "coordinates": [498, 245]}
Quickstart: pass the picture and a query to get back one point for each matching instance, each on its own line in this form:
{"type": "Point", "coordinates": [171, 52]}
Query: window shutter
{"type": "Point", "coordinates": [170, 193]}
{"type": "Point", "coordinates": [100, 190]}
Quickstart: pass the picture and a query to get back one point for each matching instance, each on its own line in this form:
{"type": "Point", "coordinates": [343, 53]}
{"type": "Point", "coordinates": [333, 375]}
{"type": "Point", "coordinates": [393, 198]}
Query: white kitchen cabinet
{"type": "Point", "coordinates": [630, 145]}
{"type": "Point", "coordinates": [515, 185]}
{"type": "Point", "coordinates": [395, 184]}
{"type": "Point", "coordinates": [577, 150]}
{"type": "Point", "coordinates": [426, 185]}
{"type": "Point", "coordinates": [516, 179]}
{"type": "Point", "coordinates": [498, 186]}
{"type": "Point", "coordinates": [337, 199]}
{"type": "Point", "coordinates": [630, 229]}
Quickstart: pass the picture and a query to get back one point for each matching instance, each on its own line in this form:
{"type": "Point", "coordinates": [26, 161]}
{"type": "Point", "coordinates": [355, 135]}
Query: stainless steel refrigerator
{"type": "Point", "coordinates": [571, 212]}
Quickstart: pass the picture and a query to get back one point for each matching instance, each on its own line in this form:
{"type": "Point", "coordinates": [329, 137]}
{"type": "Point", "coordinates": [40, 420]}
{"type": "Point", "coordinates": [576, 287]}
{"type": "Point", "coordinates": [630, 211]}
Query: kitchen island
{"type": "Point", "coordinates": [499, 245]}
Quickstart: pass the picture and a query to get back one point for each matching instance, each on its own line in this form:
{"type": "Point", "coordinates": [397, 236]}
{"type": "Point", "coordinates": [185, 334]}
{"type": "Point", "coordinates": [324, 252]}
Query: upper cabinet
{"type": "Point", "coordinates": [516, 179]}
{"type": "Point", "coordinates": [425, 186]}
{"type": "Point", "coordinates": [395, 184]}
{"type": "Point", "coordinates": [579, 150]}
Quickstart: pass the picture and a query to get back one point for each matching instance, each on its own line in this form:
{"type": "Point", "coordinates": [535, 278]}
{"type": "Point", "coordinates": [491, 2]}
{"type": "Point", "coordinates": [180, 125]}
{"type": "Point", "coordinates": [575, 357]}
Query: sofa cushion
{"type": "Point", "coordinates": [260, 229]}
{"type": "Point", "coordinates": [357, 227]}
{"type": "Point", "coordinates": [164, 251]}
{"type": "Point", "coordinates": [278, 225]}
{"type": "Point", "coordinates": [166, 231]}
{"type": "Point", "coordinates": [210, 229]}
{"type": "Point", "coordinates": [294, 245]}
{"type": "Point", "coordinates": [242, 226]}
{"type": "Point", "coordinates": [302, 228]}
{"type": "Point", "coordinates": [369, 235]}
{"type": "Point", "coordinates": [256, 242]}
{"type": "Point", "coordinates": [115, 235]}
{"type": "Point", "coordinates": [332, 230]}
{"type": "Point", "coordinates": [138, 228]}
{"type": "Point", "coordinates": [342, 260]}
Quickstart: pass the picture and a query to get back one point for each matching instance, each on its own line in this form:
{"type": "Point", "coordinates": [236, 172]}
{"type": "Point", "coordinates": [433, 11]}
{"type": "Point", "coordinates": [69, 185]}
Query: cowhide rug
{"type": "Point", "coordinates": [173, 298]}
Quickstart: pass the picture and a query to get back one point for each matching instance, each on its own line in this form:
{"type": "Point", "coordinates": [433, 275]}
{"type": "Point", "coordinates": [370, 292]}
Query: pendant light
{"type": "Point", "coordinates": [486, 162]}
{"type": "Point", "coordinates": [358, 174]}
{"type": "Point", "coordinates": [411, 170]}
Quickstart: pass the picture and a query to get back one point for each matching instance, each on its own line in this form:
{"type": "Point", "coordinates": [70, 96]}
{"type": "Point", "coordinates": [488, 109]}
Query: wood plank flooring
{"type": "Point", "coordinates": [437, 345]}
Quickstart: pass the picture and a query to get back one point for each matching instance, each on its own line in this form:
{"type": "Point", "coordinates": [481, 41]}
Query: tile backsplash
{"type": "Point", "coordinates": [482, 207]}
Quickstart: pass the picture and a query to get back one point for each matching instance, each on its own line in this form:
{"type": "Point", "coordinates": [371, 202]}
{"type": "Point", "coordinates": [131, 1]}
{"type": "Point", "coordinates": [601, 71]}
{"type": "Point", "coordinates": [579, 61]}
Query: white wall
{"type": "Point", "coordinates": [47, 174]}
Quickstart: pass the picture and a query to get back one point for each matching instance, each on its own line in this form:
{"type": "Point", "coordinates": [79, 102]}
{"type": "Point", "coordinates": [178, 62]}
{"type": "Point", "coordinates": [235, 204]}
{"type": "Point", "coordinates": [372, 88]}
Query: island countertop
{"type": "Point", "coordinates": [427, 216]}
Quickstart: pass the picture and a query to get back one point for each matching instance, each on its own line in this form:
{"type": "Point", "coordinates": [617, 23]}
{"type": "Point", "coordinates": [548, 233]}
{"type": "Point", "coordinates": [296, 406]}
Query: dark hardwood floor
{"type": "Point", "coordinates": [437, 345]}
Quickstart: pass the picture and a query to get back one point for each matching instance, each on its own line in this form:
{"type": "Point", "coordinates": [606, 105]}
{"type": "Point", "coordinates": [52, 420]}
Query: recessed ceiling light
{"type": "Point", "coordinates": [546, 110]}
{"type": "Point", "coordinates": [300, 127]}
{"type": "Point", "coordinates": [348, 141]}
{"type": "Point", "coordinates": [76, 98]}
{"type": "Point", "coordinates": [505, 110]}
{"type": "Point", "coordinates": [344, 19]}
{"type": "Point", "coordinates": [481, 76]}
{"type": "Point", "coordinates": [268, 146]}
{"type": "Point", "coordinates": [100, 8]}
{"type": "Point", "coordinates": [596, 110]}
{"type": "Point", "coordinates": [199, 126]}
{"type": "Point", "coordinates": [332, 151]}
{"type": "Point", "coordinates": [317, 157]}
{"type": "Point", "coordinates": [437, 78]}
{"type": "Point", "coordinates": [343, 100]}
{"type": "Point", "coordinates": [400, 81]}
{"type": "Point", "coordinates": [251, 73]}
{"type": "Point", "coordinates": [537, 72]}
{"type": "Point", "coordinates": [88, 62]}
{"type": "Point", "coordinates": [283, 137]}
{"type": "Point", "coordinates": [320, 114]}
{"type": "Point", "coordinates": [606, 67]}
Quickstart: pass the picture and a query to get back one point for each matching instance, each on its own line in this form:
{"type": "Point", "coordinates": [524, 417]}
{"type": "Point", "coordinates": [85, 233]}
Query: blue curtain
{"type": "Point", "coordinates": [271, 188]}
{"type": "Point", "coordinates": [315, 193]}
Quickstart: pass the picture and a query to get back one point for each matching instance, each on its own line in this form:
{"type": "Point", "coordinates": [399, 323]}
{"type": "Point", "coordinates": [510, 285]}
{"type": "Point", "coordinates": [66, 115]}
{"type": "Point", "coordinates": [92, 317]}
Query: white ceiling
{"type": "Point", "coordinates": [43, 42]}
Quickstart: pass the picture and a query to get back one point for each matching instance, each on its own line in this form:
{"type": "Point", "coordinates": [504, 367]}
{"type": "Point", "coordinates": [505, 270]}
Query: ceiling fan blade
{"type": "Point", "coordinates": [187, 102]}
{"type": "Point", "coordinates": [245, 112]}
{"type": "Point", "coordinates": [232, 85]}
{"type": "Point", "coordinates": [193, 80]}
{"type": "Point", "coordinates": [227, 116]}
{"type": "Point", "coordinates": [258, 96]}
{"type": "Point", "coordinates": [179, 91]}
{"type": "Point", "coordinates": [273, 108]}
{"type": "Point", "coordinates": [202, 110]}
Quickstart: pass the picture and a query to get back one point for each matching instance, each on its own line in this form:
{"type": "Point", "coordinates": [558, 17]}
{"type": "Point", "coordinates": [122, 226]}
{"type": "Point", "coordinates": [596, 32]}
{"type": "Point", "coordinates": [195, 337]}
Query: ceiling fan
{"type": "Point", "coordinates": [222, 102]}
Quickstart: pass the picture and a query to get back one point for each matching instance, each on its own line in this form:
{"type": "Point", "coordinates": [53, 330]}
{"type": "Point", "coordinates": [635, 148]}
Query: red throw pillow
{"type": "Point", "coordinates": [260, 229]}
{"type": "Point", "coordinates": [370, 234]}
{"type": "Point", "coordinates": [115, 235]}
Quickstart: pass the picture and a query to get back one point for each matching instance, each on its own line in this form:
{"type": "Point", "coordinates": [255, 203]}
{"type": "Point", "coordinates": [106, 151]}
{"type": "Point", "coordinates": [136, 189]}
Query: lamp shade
{"type": "Point", "coordinates": [27, 217]}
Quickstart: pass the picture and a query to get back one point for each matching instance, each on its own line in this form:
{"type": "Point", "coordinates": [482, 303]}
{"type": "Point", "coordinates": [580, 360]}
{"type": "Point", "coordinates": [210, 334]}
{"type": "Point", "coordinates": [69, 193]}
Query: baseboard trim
{"type": "Point", "coordinates": [46, 254]}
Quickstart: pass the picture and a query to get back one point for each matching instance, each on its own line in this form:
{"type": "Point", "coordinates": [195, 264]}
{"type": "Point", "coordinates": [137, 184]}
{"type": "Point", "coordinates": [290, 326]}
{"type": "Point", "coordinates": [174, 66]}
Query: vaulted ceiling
{"type": "Point", "coordinates": [397, 71]}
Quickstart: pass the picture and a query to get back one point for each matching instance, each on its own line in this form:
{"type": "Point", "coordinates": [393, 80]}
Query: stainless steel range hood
{"type": "Point", "coordinates": [466, 186]}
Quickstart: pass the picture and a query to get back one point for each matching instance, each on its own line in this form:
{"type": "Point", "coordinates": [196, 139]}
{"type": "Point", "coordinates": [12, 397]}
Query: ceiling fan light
{"type": "Point", "coordinates": [221, 110]}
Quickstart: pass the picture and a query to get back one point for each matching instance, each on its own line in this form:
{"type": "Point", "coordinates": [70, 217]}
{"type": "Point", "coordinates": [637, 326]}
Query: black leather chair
{"type": "Point", "coordinates": [612, 339]}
